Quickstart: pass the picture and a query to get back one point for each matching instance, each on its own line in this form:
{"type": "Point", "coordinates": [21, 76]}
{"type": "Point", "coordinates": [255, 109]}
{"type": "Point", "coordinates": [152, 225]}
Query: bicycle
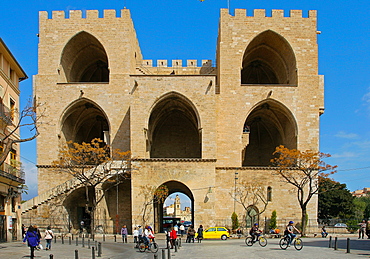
{"type": "Point", "coordinates": [152, 246]}
{"type": "Point", "coordinates": [262, 240]}
{"type": "Point", "coordinates": [284, 243]}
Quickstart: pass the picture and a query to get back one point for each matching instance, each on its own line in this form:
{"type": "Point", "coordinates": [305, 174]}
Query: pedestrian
{"type": "Point", "coordinates": [324, 233]}
{"type": "Point", "coordinates": [200, 234]}
{"type": "Point", "coordinates": [239, 233]}
{"type": "Point", "coordinates": [136, 235]}
{"type": "Point", "coordinates": [48, 237]}
{"type": "Point", "coordinates": [176, 228]}
{"type": "Point", "coordinates": [191, 235]}
{"type": "Point", "coordinates": [168, 237]}
{"type": "Point", "coordinates": [32, 240]}
{"type": "Point", "coordinates": [82, 226]}
{"type": "Point", "coordinates": [124, 233]}
{"type": "Point", "coordinates": [39, 246]}
{"type": "Point", "coordinates": [361, 231]}
{"type": "Point", "coordinates": [173, 237]}
{"type": "Point", "coordinates": [23, 230]}
{"type": "Point", "coordinates": [182, 229]}
{"type": "Point", "coordinates": [368, 229]}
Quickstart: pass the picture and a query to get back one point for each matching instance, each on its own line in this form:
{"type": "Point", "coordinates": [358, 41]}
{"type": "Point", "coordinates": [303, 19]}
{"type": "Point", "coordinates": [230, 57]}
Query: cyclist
{"type": "Point", "coordinates": [255, 232]}
{"type": "Point", "coordinates": [289, 231]}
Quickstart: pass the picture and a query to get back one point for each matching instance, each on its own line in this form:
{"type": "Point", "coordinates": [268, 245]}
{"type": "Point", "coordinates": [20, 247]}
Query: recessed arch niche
{"type": "Point", "coordinates": [269, 125]}
{"type": "Point", "coordinates": [269, 59]}
{"type": "Point", "coordinates": [83, 121]}
{"type": "Point", "coordinates": [174, 128]}
{"type": "Point", "coordinates": [84, 59]}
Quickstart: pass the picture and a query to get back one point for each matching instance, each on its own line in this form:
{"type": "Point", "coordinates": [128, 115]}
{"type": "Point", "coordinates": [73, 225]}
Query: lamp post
{"type": "Point", "coordinates": [235, 178]}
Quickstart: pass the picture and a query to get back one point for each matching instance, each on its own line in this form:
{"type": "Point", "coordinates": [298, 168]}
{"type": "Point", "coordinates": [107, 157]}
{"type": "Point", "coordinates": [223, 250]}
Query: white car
{"type": "Point", "coordinates": [340, 225]}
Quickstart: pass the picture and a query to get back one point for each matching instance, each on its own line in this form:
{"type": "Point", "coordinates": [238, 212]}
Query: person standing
{"type": "Point", "coordinates": [361, 231]}
{"type": "Point", "coordinates": [191, 235]}
{"type": "Point", "coordinates": [32, 240]}
{"type": "Point", "coordinates": [368, 229]}
{"type": "Point", "coordinates": [124, 233]}
{"type": "Point", "coordinates": [200, 233]}
{"type": "Point", "coordinates": [136, 235]}
{"type": "Point", "coordinates": [48, 237]}
{"type": "Point", "coordinates": [182, 229]}
{"type": "Point", "coordinates": [173, 237]}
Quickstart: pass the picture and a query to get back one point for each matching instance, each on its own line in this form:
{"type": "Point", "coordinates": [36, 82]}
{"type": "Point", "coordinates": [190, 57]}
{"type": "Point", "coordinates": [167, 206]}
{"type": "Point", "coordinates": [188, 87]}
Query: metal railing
{"type": "Point", "coordinates": [12, 173]}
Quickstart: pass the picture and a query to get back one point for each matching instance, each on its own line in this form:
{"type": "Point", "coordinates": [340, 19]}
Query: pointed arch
{"type": "Point", "coordinates": [270, 124]}
{"type": "Point", "coordinates": [174, 128]}
{"type": "Point", "coordinates": [84, 59]}
{"type": "Point", "coordinates": [84, 120]}
{"type": "Point", "coordinates": [269, 59]}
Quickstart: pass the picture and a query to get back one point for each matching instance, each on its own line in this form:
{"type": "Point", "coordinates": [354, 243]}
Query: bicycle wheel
{"type": "Point", "coordinates": [142, 247]}
{"type": "Point", "coordinates": [249, 241]}
{"type": "Point", "coordinates": [298, 244]}
{"type": "Point", "coordinates": [154, 247]}
{"type": "Point", "coordinates": [262, 241]}
{"type": "Point", "coordinates": [284, 242]}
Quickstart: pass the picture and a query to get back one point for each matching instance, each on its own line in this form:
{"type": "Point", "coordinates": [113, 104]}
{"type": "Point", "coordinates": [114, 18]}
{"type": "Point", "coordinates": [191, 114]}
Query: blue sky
{"type": "Point", "coordinates": [187, 29]}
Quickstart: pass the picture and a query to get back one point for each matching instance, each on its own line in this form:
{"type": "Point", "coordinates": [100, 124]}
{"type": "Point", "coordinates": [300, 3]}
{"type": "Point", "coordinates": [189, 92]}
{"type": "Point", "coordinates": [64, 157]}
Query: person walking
{"type": "Point", "coordinates": [124, 233]}
{"type": "Point", "coordinates": [136, 235]}
{"type": "Point", "coordinates": [48, 237]}
{"type": "Point", "coordinates": [182, 229]}
{"type": "Point", "coordinates": [200, 234]}
{"type": "Point", "coordinates": [361, 231]}
{"type": "Point", "coordinates": [32, 240]}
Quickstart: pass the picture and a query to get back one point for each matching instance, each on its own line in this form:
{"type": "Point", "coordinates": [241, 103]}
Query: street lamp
{"type": "Point", "coordinates": [235, 178]}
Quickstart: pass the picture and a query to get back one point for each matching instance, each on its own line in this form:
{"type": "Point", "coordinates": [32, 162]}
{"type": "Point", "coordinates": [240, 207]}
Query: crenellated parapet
{"type": "Point", "coordinates": [275, 13]}
{"type": "Point", "coordinates": [175, 67]}
{"type": "Point", "coordinates": [89, 14]}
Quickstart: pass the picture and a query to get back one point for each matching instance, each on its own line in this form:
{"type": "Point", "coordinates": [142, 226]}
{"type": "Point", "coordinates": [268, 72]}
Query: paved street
{"type": "Point", "coordinates": [233, 248]}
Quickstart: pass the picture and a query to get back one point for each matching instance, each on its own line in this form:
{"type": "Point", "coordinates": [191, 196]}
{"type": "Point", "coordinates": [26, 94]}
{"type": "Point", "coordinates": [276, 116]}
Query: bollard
{"type": "Point", "coordinates": [180, 243]}
{"type": "Point", "coordinates": [330, 242]}
{"type": "Point", "coordinates": [336, 243]}
{"type": "Point", "coordinates": [88, 243]}
{"type": "Point", "coordinates": [72, 236]}
{"type": "Point", "coordinates": [83, 241]}
{"type": "Point", "coordinates": [51, 256]}
{"type": "Point", "coordinates": [115, 238]}
{"type": "Point", "coordinates": [93, 252]}
{"type": "Point", "coordinates": [69, 240]}
{"type": "Point", "coordinates": [176, 246]}
{"type": "Point", "coordinates": [155, 256]}
{"type": "Point", "coordinates": [96, 245]}
{"type": "Point", "coordinates": [168, 253]}
{"type": "Point", "coordinates": [76, 254]}
{"type": "Point", "coordinates": [93, 237]}
{"type": "Point", "coordinates": [62, 239]}
{"type": "Point", "coordinates": [55, 240]}
{"type": "Point", "coordinates": [348, 247]}
{"type": "Point", "coordinates": [103, 238]}
{"type": "Point", "coordinates": [99, 249]}
{"type": "Point", "coordinates": [163, 254]}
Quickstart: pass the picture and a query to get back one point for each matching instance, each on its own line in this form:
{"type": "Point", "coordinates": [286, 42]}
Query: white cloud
{"type": "Point", "coordinates": [345, 154]}
{"type": "Point", "coordinates": [366, 99]}
{"type": "Point", "coordinates": [343, 134]}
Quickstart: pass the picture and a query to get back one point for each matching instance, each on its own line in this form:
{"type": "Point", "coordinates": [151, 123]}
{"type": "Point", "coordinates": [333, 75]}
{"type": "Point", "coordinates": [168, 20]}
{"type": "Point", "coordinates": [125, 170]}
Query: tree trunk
{"type": "Point", "coordinates": [304, 220]}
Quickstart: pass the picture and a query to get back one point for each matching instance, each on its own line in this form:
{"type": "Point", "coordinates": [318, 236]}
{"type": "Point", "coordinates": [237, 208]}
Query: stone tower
{"type": "Point", "coordinates": [196, 128]}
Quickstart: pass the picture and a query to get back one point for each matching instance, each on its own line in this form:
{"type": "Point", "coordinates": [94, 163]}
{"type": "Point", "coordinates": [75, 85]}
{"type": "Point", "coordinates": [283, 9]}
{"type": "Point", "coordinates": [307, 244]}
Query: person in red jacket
{"type": "Point", "coordinates": [173, 237]}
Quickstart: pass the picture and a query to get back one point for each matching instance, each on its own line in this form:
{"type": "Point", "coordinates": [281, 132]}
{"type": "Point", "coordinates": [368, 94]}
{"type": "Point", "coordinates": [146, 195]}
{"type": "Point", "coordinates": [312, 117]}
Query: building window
{"type": "Point", "coordinates": [269, 193]}
{"type": "Point", "coordinates": [12, 109]}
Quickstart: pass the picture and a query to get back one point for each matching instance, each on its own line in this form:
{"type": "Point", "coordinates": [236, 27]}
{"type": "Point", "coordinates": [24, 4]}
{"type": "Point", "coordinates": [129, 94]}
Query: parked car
{"type": "Point", "coordinates": [340, 225]}
{"type": "Point", "coordinates": [215, 233]}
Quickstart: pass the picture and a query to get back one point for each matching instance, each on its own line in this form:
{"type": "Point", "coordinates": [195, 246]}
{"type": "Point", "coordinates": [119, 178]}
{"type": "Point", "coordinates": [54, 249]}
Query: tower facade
{"type": "Point", "coordinates": [196, 128]}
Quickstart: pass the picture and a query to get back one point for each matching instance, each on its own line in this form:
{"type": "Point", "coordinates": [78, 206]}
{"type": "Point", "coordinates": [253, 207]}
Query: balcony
{"type": "Point", "coordinates": [5, 115]}
{"type": "Point", "coordinates": [10, 172]}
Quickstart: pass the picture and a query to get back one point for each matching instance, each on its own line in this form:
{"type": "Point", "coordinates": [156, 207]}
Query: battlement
{"type": "Point", "coordinates": [89, 14]}
{"type": "Point", "coordinates": [176, 63]}
{"type": "Point", "coordinates": [275, 13]}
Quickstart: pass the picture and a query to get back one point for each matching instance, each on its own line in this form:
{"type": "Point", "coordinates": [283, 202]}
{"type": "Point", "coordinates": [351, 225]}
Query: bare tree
{"type": "Point", "coordinates": [302, 170]}
{"type": "Point", "coordinates": [250, 194]}
{"type": "Point", "coordinates": [92, 165]}
{"type": "Point", "coordinates": [27, 118]}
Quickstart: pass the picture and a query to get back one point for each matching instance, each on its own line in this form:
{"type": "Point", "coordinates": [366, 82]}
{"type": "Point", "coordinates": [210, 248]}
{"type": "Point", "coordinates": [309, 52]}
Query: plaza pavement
{"type": "Point", "coordinates": [232, 248]}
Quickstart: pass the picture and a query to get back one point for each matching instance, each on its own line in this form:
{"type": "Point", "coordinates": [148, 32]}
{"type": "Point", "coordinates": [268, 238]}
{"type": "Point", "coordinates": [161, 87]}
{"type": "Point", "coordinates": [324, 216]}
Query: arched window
{"type": "Point", "coordinates": [252, 216]}
{"type": "Point", "coordinates": [269, 193]}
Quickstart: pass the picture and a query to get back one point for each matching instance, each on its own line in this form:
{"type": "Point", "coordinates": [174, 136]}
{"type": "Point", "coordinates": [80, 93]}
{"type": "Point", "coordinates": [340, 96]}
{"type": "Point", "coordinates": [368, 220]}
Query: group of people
{"type": "Point", "coordinates": [364, 229]}
{"type": "Point", "coordinates": [33, 237]}
{"type": "Point", "coordinates": [146, 235]}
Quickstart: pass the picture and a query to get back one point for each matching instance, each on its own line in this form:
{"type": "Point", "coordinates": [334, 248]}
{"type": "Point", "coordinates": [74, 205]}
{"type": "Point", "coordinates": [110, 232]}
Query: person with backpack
{"type": "Point", "coordinates": [32, 239]}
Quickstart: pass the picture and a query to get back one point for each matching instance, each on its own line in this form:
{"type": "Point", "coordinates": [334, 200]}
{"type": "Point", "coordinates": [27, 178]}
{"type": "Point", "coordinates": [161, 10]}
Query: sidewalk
{"type": "Point", "coordinates": [232, 248]}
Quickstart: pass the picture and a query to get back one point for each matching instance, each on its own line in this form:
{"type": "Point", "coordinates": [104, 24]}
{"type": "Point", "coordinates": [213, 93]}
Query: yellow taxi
{"type": "Point", "coordinates": [215, 233]}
